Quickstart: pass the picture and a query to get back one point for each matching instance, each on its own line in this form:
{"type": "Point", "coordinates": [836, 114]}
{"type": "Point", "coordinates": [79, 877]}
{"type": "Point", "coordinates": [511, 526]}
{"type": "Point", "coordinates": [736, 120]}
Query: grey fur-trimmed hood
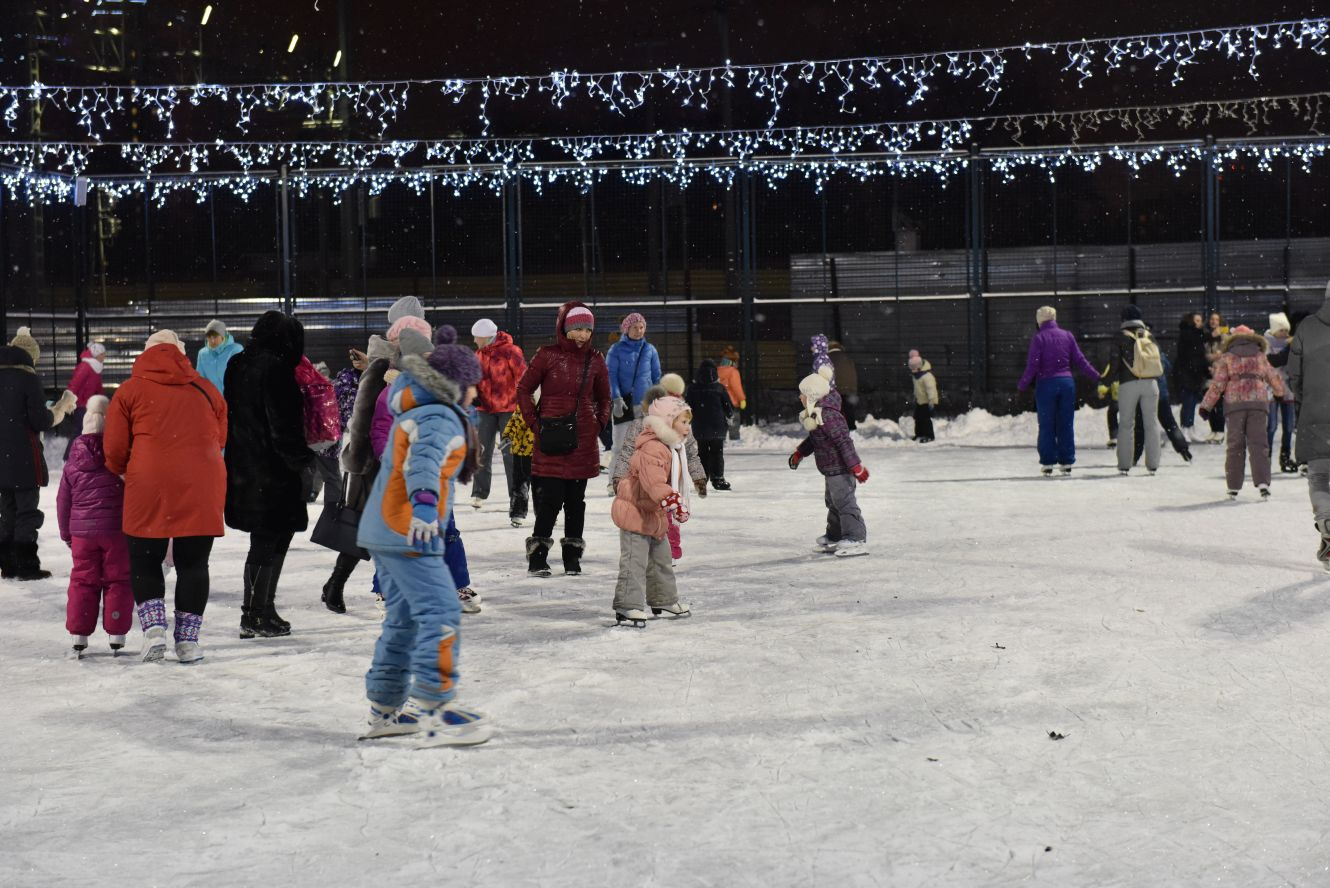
{"type": "Point", "coordinates": [441, 389]}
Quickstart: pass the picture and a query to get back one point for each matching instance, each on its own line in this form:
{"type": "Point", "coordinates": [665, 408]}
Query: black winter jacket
{"type": "Point", "coordinates": [23, 416]}
{"type": "Point", "coordinates": [710, 403]}
{"type": "Point", "coordinates": [266, 452]}
{"type": "Point", "coordinates": [1191, 369]}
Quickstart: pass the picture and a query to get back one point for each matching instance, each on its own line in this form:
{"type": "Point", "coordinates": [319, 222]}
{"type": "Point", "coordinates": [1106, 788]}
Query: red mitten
{"type": "Point", "coordinates": [860, 474]}
{"type": "Point", "coordinates": [671, 503]}
{"type": "Point", "coordinates": [681, 515]}
{"type": "Point", "coordinates": [795, 459]}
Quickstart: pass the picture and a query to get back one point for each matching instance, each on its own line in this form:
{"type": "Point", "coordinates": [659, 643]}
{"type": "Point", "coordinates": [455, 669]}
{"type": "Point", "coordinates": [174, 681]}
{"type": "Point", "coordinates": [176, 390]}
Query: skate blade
{"type": "Point", "coordinates": [670, 615]}
{"type": "Point", "coordinates": [462, 735]}
{"type": "Point", "coordinates": [631, 623]}
{"type": "Point", "coordinates": [155, 654]}
{"type": "Point", "coordinates": [389, 731]}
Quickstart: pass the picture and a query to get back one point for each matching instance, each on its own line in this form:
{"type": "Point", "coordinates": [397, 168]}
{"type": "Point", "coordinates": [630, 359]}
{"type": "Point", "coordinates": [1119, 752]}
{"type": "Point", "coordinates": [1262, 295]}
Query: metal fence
{"type": "Point", "coordinates": [954, 267]}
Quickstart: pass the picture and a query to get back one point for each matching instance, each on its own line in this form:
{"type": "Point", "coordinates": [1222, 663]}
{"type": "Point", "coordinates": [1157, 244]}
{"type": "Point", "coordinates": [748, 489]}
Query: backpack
{"type": "Point", "coordinates": [323, 422]}
{"type": "Point", "coordinates": [1146, 362]}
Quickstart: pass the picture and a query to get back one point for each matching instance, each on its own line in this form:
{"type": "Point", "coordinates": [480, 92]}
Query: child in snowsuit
{"type": "Point", "coordinates": [728, 373]}
{"type": "Point", "coordinates": [711, 407]}
{"type": "Point", "coordinates": [829, 438]}
{"type": "Point", "coordinates": [670, 384]}
{"type": "Point", "coordinates": [925, 397]}
{"type": "Point", "coordinates": [412, 682]}
{"type": "Point", "coordinates": [90, 508]}
{"type": "Point", "coordinates": [1244, 377]}
{"type": "Point", "coordinates": [653, 488]}
{"type": "Point", "coordinates": [521, 444]}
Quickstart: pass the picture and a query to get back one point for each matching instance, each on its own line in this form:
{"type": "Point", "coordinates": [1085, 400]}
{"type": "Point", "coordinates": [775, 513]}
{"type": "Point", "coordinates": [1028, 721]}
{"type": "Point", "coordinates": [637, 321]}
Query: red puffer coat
{"type": "Point", "coordinates": [557, 371]}
{"type": "Point", "coordinates": [503, 364]}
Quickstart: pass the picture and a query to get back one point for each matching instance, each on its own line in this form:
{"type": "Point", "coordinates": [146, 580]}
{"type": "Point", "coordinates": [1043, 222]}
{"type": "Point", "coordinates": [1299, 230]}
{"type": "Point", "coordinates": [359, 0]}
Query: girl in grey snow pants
{"type": "Point", "coordinates": [844, 520]}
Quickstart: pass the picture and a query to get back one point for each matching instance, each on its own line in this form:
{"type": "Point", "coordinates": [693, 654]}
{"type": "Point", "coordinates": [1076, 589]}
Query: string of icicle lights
{"type": "Point", "coordinates": [98, 108]}
{"type": "Point", "coordinates": [1139, 123]}
{"type": "Point", "coordinates": [46, 188]}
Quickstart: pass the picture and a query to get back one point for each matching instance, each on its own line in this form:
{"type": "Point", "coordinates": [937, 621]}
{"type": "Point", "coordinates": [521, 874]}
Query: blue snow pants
{"type": "Point", "coordinates": [454, 555]}
{"type": "Point", "coordinates": [1055, 402]}
{"type": "Point", "coordinates": [416, 654]}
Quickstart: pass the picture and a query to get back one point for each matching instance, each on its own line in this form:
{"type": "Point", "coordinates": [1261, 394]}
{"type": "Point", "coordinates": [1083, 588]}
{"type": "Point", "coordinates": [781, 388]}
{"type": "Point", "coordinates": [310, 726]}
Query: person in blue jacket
{"type": "Point", "coordinates": [412, 681]}
{"type": "Point", "coordinates": [634, 367]}
{"type": "Point", "coordinates": [220, 349]}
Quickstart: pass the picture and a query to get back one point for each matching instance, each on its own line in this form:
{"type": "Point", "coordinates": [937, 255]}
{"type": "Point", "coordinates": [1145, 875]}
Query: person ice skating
{"type": "Point", "coordinates": [165, 431]}
{"type": "Point", "coordinates": [1053, 356]}
{"type": "Point", "coordinates": [633, 366]}
{"type": "Point", "coordinates": [1216, 334]}
{"type": "Point", "coordinates": [846, 381]}
{"type": "Point", "coordinates": [1244, 378]}
{"type": "Point", "coordinates": [412, 682]}
{"type": "Point", "coordinates": [1136, 368]}
{"type": "Point", "coordinates": [359, 459]}
{"type": "Point", "coordinates": [23, 417]}
{"type": "Point", "coordinates": [574, 384]}
{"type": "Point", "coordinates": [925, 397]}
{"type": "Point", "coordinates": [653, 493]}
{"type": "Point", "coordinates": [1281, 409]}
{"type": "Point", "coordinates": [711, 410]}
{"type": "Point", "coordinates": [829, 439]}
{"type": "Point", "coordinates": [1191, 370]}
{"type": "Point", "coordinates": [218, 350]}
{"type": "Point", "coordinates": [670, 384]}
{"type": "Point", "coordinates": [728, 374]}
{"type": "Point", "coordinates": [267, 454]}
{"type": "Point", "coordinates": [90, 512]}
{"type": "Point", "coordinates": [1309, 380]}
{"type": "Point", "coordinates": [521, 444]}
{"type": "Point", "coordinates": [496, 398]}
{"type": "Point", "coordinates": [85, 383]}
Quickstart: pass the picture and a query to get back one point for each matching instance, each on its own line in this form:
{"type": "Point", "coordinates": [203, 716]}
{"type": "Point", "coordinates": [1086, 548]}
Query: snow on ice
{"type": "Point", "coordinates": [1086, 681]}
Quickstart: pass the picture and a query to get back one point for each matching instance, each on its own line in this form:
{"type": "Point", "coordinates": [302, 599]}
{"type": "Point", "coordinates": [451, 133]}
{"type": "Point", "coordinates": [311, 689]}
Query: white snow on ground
{"type": "Point", "coordinates": [876, 721]}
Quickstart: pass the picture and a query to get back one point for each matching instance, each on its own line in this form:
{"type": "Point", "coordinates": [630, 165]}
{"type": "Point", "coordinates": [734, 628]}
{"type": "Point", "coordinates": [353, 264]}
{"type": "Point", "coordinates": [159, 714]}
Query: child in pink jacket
{"type": "Point", "coordinates": [89, 507]}
{"type": "Point", "coordinates": [1245, 378]}
{"type": "Point", "coordinates": [648, 497]}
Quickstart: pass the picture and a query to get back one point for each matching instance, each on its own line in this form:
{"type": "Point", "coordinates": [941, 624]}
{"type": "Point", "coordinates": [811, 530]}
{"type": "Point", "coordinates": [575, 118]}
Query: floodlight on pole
{"type": "Point", "coordinates": [292, 46]}
{"type": "Point", "coordinates": [207, 14]}
{"type": "Point", "coordinates": [337, 59]}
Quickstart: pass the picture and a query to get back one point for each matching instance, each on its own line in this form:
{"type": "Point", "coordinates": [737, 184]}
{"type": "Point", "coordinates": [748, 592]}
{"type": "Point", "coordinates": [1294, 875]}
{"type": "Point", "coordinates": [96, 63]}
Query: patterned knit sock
{"type": "Point", "coordinates": [187, 626]}
{"type": "Point", "coordinates": [152, 613]}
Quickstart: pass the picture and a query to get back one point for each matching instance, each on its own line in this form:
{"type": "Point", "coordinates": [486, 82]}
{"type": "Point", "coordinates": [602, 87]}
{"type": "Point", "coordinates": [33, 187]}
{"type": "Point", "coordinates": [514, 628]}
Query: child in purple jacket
{"type": "Point", "coordinates": [89, 508]}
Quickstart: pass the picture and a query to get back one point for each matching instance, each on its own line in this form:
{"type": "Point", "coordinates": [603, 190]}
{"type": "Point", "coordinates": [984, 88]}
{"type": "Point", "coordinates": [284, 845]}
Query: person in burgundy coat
{"type": "Point", "coordinates": [573, 379]}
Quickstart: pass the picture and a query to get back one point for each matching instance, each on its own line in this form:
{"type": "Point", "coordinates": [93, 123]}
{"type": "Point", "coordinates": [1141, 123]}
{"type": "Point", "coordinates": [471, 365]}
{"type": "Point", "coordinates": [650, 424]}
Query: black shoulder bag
{"type": "Point", "coordinates": [558, 434]}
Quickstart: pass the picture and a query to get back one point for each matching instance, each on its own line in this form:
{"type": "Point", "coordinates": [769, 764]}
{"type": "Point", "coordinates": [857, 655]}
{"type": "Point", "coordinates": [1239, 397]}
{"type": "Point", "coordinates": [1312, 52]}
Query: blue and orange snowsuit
{"type": "Point", "coordinates": [417, 651]}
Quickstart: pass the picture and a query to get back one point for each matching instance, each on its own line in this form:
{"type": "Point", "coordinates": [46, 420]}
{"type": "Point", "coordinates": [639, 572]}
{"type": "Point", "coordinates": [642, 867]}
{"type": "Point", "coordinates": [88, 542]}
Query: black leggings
{"type": "Point", "coordinates": [554, 494]}
{"type": "Point", "coordinates": [268, 549]}
{"type": "Point", "coordinates": [146, 555]}
{"type": "Point", "coordinates": [711, 451]}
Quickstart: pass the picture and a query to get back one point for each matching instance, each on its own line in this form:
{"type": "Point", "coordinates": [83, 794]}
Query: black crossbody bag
{"type": "Point", "coordinates": [558, 434]}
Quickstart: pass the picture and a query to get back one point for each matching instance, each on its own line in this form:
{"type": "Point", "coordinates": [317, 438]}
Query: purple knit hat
{"type": "Point", "coordinates": [820, 357]}
{"type": "Point", "coordinates": [457, 362]}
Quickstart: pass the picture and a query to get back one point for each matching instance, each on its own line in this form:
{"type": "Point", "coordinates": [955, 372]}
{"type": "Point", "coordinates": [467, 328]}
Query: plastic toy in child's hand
{"type": "Point", "coordinates": [795, 459]}
{"type": "Point", "coordinates": [860, 474]}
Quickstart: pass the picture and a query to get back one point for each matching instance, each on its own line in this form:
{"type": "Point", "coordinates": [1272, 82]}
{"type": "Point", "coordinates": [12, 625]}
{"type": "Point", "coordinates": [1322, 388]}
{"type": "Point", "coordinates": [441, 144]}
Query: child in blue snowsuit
{"type": "Point", "coordinates": [412, 682]}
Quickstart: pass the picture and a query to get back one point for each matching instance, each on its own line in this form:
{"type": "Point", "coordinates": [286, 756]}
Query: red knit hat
{"type": "Point", "coordinates": [579, 316]}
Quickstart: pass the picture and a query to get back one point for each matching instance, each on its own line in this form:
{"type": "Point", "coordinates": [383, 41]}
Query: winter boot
{"type": "Point", "coordinates": [572, 555]}
{"type": "Point", "coordinates": [152, 617]}
{"type": "Point", "coordinates": [27, 566]}
{"type": "Point", "coordinates": [261, 608]}
{"type": "Point", "coordinates": [248, 616]}
{"type": "Point", "coordinates": [537, 552]}
{"type": "Point", "coordinates": [6, 561]}
{"type": "Point", "coordinates": [720, 484]}
{"type": "Point", "coordinates": [335, 587]}
{"type": "Point", "coordinates": [187, 637]}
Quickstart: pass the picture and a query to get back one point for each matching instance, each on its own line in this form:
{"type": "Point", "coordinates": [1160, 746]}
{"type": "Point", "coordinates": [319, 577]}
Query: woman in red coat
{"type": "Point", "coordinates": [165, 430]}
{"type": "Point", "coordinates": [573, 379]}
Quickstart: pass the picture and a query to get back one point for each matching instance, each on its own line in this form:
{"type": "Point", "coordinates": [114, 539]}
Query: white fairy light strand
{"type": "Point", "coordinates": [941, 136]}
{"type": "Point", "coordinates": [624, 91]}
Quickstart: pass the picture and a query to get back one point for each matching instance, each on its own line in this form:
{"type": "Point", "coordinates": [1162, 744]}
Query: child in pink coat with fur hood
{"type": "Point", "coordinates": [1244, 377]}
{"type": "Point", "coordinates": [655, 487]}
{"type": "Point", "coordinates": [90, 507]}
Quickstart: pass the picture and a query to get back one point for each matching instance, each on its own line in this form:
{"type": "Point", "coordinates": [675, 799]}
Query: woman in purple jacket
{"type": "Point", "coordinates": [1053, 356]}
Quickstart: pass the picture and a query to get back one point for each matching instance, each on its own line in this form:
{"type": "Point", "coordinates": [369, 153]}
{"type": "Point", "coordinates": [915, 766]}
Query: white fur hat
{"type": "Point", "coordinates": [485, 329]}
{"type": "Point", "coordinates": [1045, 313]}
{"type": "Point", "coordinates": [1279, 321]}
{"type": "Point", "coordinates": [95, 418]}
{"type": "Point", "coordinates": [164, 337]}
{"type": "Point", "coordinates": [673, 383]}
{"type": "Point", "coordinates": [815, 386]}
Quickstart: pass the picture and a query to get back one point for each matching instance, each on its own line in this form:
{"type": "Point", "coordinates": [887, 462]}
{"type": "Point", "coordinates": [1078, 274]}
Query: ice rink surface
{"type": "Point", "coordinates": [1091, 681]}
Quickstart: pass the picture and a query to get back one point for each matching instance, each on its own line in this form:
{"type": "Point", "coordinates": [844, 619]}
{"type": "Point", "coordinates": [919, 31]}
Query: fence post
{"type": "Point", "coordinates": [512, 253]}
{"type": "Point", "coordinates": [746, 283]}
{"type": "Point", "coordinates": [288, 298]}
{"type": "Point", "coordinates": [1210, 208]}
{"type": "Point", "coordinates": [974, 277]}
{"type": "Point", "coordinates": [147, 251]}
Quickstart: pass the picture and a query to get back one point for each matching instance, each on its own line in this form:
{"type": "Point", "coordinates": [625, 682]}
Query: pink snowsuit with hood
{"type": "Point", "coordinates": [89, 507]}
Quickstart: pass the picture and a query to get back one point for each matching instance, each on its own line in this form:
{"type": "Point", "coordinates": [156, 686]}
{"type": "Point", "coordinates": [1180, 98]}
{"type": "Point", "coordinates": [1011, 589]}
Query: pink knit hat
{"type": "Point", "coordinates": [633, 318]}
{"type": "Point", "coordinates": [668, 408]}
{"type": "Point", "coordinates": [410, 322]}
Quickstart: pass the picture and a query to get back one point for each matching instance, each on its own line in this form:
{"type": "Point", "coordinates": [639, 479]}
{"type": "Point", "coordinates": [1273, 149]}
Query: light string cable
{"type": "Point", "coordinates": [1137, 123]}
{"type": "Point", "coordinates": [624, 91]}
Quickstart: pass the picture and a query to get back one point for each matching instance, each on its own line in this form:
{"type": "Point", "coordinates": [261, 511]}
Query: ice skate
{"type": "Point", "coordinates": [470, 600]}
{"type": "Point", "coordinates": [516, 522]}
{"type": "Point", "coordinates": [80, 645]}
{"type": "Point", "coordinates": [1323, 550]}
{"type": "Point", "coordinates": [824, 545]}
{"type": "Point", "coordinates": [1286, 464]}
{"type": "Point", "coordinates": [477, 502]}
{"type": "Point", "coordinates": [1232, 496]}
{"type": "Point", "coordinates": [1065, 471]}
{"type": "Point", "coordinates": [154, 644]}
{"type": "Point", "coordinates": [117, 644]}
{"type": "Point", "coordinates": [851, 548]}
{"type": "Point", "coordinates": [1265, 491]}
{"type": "Point", "coordinates": [1046, 471]}
{"type": "Point", "coordinates": [450, 725]}
{"type": "Point", "coordinates": [188, 652]}
{"type": "Point", "coordinates": [384, 722]}
{"type": "Point", "coordinates": [635, 618]}
{"type": "Point", "coordinates": [380, 605]}
{"type": "Point", "coordinates": [676, 611]}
